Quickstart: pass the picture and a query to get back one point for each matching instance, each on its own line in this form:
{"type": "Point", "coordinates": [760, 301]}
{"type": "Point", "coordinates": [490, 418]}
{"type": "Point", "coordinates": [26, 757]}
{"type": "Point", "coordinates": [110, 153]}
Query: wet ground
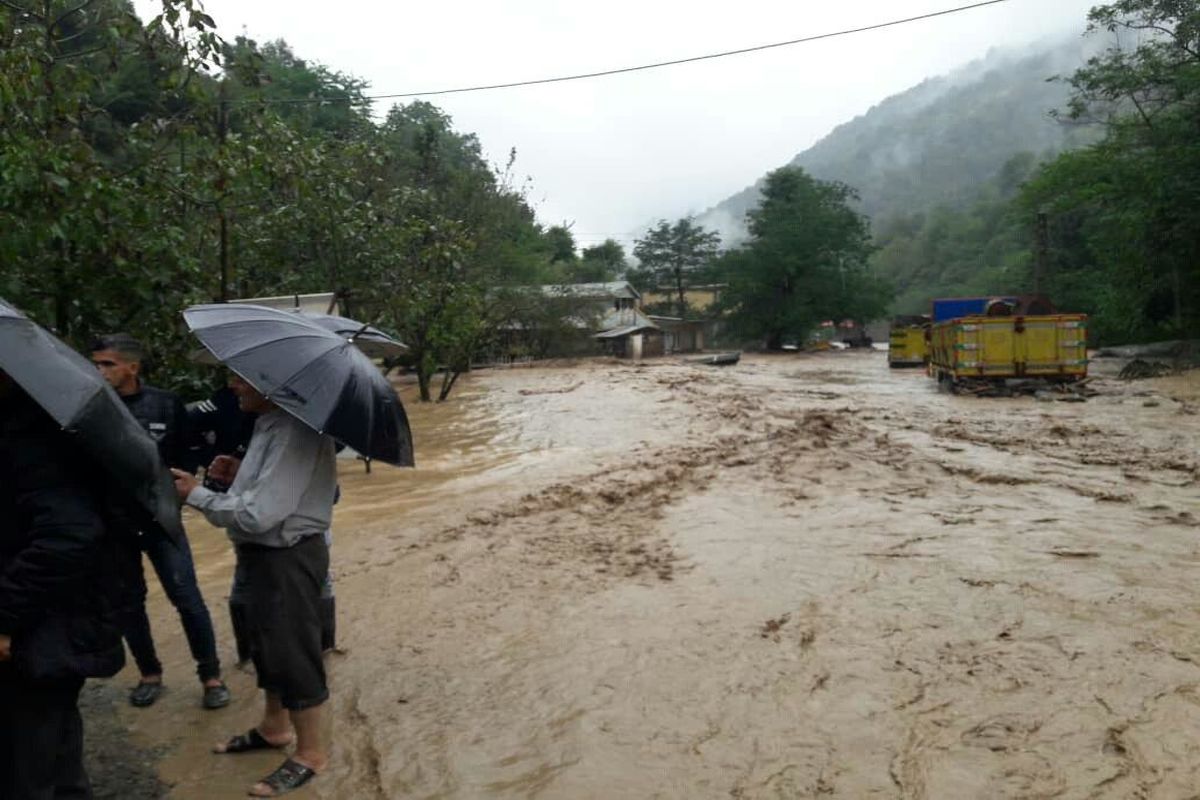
{"type": "Point", "coordinates": [801, 576]}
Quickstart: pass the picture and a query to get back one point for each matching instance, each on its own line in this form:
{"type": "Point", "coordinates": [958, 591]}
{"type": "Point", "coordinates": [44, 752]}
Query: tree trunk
{"type": "Point", "coordinates": [1178, 287]}
{"type": "Point", "coordinates": [448, 383]}
{"type": "Point", "coordinates": [682, 307]}
{"type": "Point", "coordinates": [424, 378]}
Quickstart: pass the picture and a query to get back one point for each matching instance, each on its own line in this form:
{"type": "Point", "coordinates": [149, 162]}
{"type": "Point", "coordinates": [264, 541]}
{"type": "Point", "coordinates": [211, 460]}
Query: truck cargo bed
{"type": "Point", "coordinates": [1053, 346]}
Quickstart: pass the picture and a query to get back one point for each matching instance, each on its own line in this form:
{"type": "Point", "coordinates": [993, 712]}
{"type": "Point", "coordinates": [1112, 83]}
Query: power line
{"type": "Point", "coordinates": [641, 67]}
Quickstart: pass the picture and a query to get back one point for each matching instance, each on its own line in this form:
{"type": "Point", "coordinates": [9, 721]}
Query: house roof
{"type": "Point", "coordinates": [624, 317]}
{"type": "Point", "coordinates": [597, 291]}
{"type": "Point", "coordinates": [617, 333]}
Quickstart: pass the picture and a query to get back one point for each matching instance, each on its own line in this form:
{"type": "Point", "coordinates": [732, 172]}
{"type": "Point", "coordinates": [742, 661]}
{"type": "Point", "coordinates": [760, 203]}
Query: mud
{"type": "Point", "coordinates": [803, 576]}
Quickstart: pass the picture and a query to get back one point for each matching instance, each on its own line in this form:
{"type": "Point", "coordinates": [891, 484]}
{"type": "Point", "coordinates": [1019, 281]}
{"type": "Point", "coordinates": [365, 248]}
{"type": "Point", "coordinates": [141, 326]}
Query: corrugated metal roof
{"type": "Point", "coordinates": [599, 291]}
{"type": "Point", "coordinates": [617, 333]}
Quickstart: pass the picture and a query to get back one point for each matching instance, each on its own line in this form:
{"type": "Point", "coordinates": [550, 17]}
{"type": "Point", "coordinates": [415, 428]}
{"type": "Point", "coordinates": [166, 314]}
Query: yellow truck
{"type": "Point", "coordinates": [1051, 346]}
{"type": "Point", "coordinates": [908, 344]}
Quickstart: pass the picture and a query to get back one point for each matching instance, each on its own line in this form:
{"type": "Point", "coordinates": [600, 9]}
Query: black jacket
{"type": "Point", "coordinates": [165, 418]}
{"type": "Point", "coordinates": [63, 574]}
{"type": "Point", "coordinates": [219, 427]}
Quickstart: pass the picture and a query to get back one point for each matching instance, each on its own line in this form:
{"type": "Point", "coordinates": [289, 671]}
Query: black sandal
{"type": "Point", "coordinates": [250, 740]}
{"type": "Point", "coordinates": [145, 693]}
{"type": "Point", "coordinates": [291, 775]}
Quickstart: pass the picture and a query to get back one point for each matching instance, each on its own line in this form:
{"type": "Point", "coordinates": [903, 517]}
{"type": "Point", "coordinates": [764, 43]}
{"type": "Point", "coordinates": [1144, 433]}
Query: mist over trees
{"type": "Point", "coordinates": [1097, 136]}
{"type": "Point", "coordinates": [148, 166]}
{"type": "Point", "coordinates": [1120, 214]}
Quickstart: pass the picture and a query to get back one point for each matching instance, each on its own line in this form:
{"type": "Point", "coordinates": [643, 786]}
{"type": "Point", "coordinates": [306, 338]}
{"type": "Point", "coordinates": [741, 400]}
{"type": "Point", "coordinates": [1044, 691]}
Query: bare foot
{"type": "Point", "coordinates": [254, 739]}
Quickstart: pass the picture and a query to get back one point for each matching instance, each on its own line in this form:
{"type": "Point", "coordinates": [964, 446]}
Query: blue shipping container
{"type": "Point", "coordinates": [945, 308]}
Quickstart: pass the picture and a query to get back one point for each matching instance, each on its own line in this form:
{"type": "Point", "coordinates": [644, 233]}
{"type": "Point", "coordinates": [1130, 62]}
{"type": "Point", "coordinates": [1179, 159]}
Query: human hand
{"type": "Point", "coordinates": [185, 482]}
{"type": "Point", "coordinates": [5, 648]}
{"type": "Point", "coordinates": [224, 469]}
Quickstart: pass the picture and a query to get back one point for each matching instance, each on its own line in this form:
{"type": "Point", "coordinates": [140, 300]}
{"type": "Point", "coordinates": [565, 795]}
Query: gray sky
{"type": "Point", "coordinates": [612, 154]}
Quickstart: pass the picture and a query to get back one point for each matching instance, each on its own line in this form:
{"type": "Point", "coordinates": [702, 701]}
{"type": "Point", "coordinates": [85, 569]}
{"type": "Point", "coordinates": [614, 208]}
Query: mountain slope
{"type": "Point", "coordinates": [938, 142]}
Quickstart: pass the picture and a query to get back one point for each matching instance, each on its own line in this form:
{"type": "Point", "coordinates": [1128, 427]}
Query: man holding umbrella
{"type": "Point", "coordinates": [277, 509]}
{"type": "Point", "coordinates": [308, 386]}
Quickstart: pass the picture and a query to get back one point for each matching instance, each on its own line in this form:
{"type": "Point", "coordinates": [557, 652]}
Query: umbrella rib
{"type": "Point", "coordinates": [343, 344]}
{"type": "Point", "coordinates": [325, 335]}
{"type": "Point", "coordinates": [240, 353]}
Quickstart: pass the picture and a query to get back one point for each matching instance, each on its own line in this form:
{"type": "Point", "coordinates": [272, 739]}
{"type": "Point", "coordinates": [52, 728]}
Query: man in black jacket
{"type": "Point", "coordinates": [62, 577]}
{"type": "Point", "coordinates": [119, 358]}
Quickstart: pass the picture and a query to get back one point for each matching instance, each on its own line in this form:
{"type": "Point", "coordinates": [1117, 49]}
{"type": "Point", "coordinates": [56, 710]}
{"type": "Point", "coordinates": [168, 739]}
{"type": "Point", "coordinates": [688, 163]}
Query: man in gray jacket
{"type": "Point", "coordinates": [276, 511]}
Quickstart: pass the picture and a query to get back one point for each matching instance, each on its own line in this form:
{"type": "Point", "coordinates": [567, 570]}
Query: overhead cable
{"type": "Point", "coordinates": [639, 68]}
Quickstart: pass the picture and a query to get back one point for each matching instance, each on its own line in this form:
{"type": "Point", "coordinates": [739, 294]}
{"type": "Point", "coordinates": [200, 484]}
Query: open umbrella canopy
{"type": "Point", "coordinates": [314, 374]}
{"type": "Point", "coordinates": [373, 342]}
{"type": "Point", "coordinates": [69, 388]}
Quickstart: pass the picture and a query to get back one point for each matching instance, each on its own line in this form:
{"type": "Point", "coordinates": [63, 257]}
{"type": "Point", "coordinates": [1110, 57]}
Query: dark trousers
{"type": "Point", "coordinates": [175, 570]}
{"type": "Point", "coordinates": [41, 739]}
{"type": "Point", "coordinates": [283, 618]}
{"type": "Point", "coordinates": [238, 605]}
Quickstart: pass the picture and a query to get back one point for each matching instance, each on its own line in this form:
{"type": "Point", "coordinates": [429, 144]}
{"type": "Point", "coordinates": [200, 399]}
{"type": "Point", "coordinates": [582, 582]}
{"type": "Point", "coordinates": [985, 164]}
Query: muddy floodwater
{"type": "Point", "coordinates": [800, 576]}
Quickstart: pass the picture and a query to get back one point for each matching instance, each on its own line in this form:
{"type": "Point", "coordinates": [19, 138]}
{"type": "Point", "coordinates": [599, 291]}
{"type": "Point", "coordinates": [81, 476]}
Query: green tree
{"type": "Point", "coordinates": [1125, 212]}
{"type": "Point", "coordinates": [674, 256]}
{"type": "Point", "coordinates": [561, 242]}
{"type": "Point", "coordinates": [805, 262]}
{"type": "Point", "coordinates": [450, 230]}
{"type": "Point", "coordinates": [134, 182]}
{"type": "Point", "coordinates": [88, 237]}
{"type": "Point", "coordinates": [598, 264]}
{"type": "Point", "coordinates": [978, 248]}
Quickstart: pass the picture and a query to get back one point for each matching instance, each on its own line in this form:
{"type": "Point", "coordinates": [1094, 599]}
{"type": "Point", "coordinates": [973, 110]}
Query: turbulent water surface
{"type": "Point", "coordinates": [802, 576]}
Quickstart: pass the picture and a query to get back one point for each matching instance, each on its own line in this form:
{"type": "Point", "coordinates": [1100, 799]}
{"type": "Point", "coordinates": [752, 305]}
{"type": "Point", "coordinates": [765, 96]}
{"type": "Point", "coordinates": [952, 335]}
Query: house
{"type": "Point", "coordinates": [685, 334]}
{"type": "Point", "coordinates": [614, 315]}
{"type": "Point", "coordinates": [628, 333]}
{"type": "Point", "coordinates": [698, 298]}
{"type": "Point", "coordinates": [612, 311]}
{"type": "Point", "coordinates": [682, 335]}
{"type": "Point", "coordinates": [598, 297]}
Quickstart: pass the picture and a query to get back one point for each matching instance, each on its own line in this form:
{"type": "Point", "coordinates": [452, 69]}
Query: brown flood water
{"type": "Point", "coordinates": [804, 576]}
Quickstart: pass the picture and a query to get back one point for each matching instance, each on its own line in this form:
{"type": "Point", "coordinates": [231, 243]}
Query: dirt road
{"type": "Point", "coordinates": [805, 576]}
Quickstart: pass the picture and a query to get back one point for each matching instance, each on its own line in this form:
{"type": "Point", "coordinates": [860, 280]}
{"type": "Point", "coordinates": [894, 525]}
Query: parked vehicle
{"type": "Point", "coordinates": [947, 308]}
{"type": "Point", "coordinates": [908, 341]}
{"type": "Point", "coordinates": [1050, 346]}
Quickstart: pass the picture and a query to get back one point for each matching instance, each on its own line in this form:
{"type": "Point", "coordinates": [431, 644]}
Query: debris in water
{"type": "Point", "coordinates": [771, 627]}
{"type": "Point", "coordinates": [1138, 370]}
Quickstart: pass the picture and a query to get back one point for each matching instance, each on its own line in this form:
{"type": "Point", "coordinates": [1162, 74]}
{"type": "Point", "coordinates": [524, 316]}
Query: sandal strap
{"type": "Point", "coordinates": [250, 740]}
{"type": "Point", "coordinates": [290, 775]}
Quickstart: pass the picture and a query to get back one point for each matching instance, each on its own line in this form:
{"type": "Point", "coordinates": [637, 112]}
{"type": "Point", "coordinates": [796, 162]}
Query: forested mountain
{"type": "Point", "coordinates": [941, 141]}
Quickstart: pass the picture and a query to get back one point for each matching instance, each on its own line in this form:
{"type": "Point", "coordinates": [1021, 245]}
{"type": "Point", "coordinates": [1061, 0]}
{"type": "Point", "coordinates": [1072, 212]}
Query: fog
{"type": "Point", "coordinates": [610, 155]}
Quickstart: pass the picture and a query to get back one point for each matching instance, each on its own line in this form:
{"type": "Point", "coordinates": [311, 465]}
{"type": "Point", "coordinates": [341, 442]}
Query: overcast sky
{"type": "Point", "coordinates": [612, 154]}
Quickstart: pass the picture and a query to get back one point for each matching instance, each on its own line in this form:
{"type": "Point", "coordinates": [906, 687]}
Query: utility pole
{"type": "Point", "coordinates": [1041, 250]}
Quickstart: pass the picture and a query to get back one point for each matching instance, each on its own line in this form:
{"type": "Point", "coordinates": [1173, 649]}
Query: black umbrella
{"type": "Point", "coordinates": [369, 339]}
{"type": "Point", "coordinates": [310, 372]}
{"type": "Point", "coordinates": [69, 388]}
{"type": "Point", "coordinates": [373, 342]}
